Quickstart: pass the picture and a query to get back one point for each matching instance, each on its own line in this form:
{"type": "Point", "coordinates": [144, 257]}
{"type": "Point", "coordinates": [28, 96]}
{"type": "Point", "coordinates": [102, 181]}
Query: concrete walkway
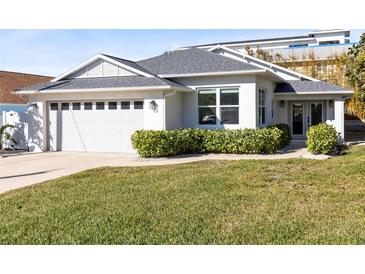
{"type": "Point", "coordinates": [26, 169]}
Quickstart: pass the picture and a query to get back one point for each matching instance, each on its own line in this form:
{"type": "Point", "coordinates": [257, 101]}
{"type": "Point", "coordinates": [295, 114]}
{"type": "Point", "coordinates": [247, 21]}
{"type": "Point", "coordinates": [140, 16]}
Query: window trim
{"type": "Point", "coordinates": [218, 106]}
{"type": "Point", "coordinates": [50, 107]}
{"type": "Point", "coordinates": [96, 105]}
{"type": "Point", "coordinates": [214, 90]}
{"type": "Point", "coordinates": [129, 105]}
{"type": "Point", "coordinates": [116, 105]}
{"type": "Point", "coordinates": [73, 106]}
{"type": "Point", "coordinates": [65, 103]}
{"type": "Point", "coordinates": [134, 105]}
{"type": "Point", "coordinates": [83, 104]}
{"type": "Point", "coordinates": [262, 107]}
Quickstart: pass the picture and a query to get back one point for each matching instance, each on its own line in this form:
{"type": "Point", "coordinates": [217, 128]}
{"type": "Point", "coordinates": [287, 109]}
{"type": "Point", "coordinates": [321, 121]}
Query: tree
{"type": "Point", "coordinates": [5, 135]}
{"type": "Point", "coordinates": [356, 77]}
{"type": "Point", "coordinates": [249, 51]}
{"type": "Point", "coordinates": [263, 54]}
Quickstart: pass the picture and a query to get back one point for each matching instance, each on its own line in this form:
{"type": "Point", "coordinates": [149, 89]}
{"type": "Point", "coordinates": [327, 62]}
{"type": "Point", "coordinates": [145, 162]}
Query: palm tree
{"type": "Point", "coordinates": [6, 135]}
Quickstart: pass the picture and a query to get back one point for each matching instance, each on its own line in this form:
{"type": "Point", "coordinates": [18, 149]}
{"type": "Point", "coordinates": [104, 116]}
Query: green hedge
{"type": "Point", "coordinates": [160, 143]}
{"type": "Point", "coordinates": [322, 139]}
{"type": "Point", "coordinates": [286, 138]}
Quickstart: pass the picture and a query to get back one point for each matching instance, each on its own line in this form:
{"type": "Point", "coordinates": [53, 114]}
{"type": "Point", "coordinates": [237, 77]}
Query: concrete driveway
{"type": "Point", "coordinates": [30, 168]}
{"type": "Point", "coordinates": [21, 170]}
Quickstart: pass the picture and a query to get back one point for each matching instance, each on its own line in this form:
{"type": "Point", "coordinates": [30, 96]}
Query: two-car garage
{"type": "Point", "coordinates": [102, 125]}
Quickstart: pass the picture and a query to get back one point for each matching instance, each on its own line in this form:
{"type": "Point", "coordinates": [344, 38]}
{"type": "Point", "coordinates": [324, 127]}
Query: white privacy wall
{"type": "Point", "coordinates": [29, 127]}
{"type": "Point", "coordinates": [247, 99]}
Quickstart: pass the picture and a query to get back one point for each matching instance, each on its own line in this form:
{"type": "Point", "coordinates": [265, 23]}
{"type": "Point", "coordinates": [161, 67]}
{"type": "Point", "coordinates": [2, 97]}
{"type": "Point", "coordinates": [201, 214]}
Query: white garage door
{"type": "Point", "coordinates": [94, 126]}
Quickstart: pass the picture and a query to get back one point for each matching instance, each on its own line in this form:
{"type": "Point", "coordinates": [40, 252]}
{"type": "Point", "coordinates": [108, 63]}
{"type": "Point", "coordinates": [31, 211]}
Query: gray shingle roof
{"type": "Point", "coordinates": [306, 86]}
{"type": "Point", "coordinates": [106, 82]}
{"type": "Point", "coordinates": [193, 61]}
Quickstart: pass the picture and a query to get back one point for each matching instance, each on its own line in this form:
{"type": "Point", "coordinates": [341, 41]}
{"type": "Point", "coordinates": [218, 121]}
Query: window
{"type": "Point", "coordinates": [218, 106]}
{"type": "Point", "coordinates": [112, 105]}
{"type": "Point", "coordinates": [76, 106]}
{"type": "Point", "coordinates": [262, 108]}
{"type": "Point", "coordinates": [88, 105]}
{"type": "Point", "coordinates": [229, 102]}
{"type": "Point", "coordinates": [65, 106]}
{"type": "Point", "coordinates": [54, 106]}
{"type": "Point", "coordinates": [298, 45]}
{"type": "Point", "coordinates": [138, 104]}
{"type": "Point", "coordinates": [125, 105]}
{"type": "Point", "coordinates": [207, 106]}
{"type": "Point", "coordinates": [100, 105]}
{"type": "Point", "coordinates": [329, 42]}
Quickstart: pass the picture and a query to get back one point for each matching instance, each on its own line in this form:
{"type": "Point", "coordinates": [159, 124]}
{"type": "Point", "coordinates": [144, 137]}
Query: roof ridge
{"type": "Point", "coordinates": [32, 74]}
{"type": "Point", "coordinates": [112, 56]}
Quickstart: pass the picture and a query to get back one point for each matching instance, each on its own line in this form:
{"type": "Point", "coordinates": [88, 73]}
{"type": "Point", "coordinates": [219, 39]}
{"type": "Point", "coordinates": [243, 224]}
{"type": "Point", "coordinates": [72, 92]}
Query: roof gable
{"type": "Point", "coordinates": [193, 61]}
{"type": "Point", "coordinates": [96, 63]}
{"type": "Point", "coordinates": [100, 68]}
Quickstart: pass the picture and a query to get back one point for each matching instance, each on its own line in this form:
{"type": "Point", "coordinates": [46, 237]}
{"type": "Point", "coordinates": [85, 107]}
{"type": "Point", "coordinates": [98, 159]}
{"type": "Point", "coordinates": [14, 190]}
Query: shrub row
{"type": "Point", "coordinates": [286, 137]}
{"type": "Point", "coordinates": [323, 139]}
{"type": "Point", "coordinates": [160, 143]}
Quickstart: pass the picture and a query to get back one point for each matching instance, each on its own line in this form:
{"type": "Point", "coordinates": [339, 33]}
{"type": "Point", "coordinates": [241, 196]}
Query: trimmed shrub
{"type": "Point", "coordinates": [160, 143]}
{"type": "Point", "coordinates": [322, 139]}
{"type": "Point", "coordinates": [286, 133]}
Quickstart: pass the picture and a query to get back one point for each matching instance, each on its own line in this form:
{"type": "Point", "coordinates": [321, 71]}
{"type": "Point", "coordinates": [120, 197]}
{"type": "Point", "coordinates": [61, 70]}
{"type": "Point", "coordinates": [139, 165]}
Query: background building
{"type": "Point", "coordinates": [322, 44]}
{"type": "Point", "coordinates": [10, 81]}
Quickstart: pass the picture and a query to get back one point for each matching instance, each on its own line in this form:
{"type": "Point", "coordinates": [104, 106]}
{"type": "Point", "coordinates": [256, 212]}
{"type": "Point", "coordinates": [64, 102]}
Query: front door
{"type": "Point", "coordinates": [297, 119]}
{"type": "Point", "coordinates": [316, 113]}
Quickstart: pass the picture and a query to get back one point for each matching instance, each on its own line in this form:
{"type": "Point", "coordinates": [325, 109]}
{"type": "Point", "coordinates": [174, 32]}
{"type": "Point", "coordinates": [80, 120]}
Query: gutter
{"type": "Point", "coordinates": [314, 92]}
{"type": "Point", "coordinates": [58, 91]}
{"type": "Point", "coordinates": [239, 72]}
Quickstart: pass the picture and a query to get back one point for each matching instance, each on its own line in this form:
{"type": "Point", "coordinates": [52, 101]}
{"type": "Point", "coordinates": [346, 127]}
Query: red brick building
{"type": "Point", "coordinates": [10, 81]}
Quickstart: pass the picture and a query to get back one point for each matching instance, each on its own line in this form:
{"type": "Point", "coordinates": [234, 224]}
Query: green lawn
{"type": "Point", "coordinates": [214, 202]}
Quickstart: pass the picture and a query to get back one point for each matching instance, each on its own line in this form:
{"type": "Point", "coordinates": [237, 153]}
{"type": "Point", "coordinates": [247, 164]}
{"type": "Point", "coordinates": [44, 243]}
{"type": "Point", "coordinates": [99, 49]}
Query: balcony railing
{"type": "Point", "coordinates": [320, 52]}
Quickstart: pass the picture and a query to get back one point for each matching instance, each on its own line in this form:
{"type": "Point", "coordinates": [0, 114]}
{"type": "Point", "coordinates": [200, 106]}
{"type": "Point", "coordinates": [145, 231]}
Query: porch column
{"type": "Point", "coordinates": [340, 117]}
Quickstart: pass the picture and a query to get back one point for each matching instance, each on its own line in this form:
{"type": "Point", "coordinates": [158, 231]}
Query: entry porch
{"type": "Point", "coordinates": [301, 112]}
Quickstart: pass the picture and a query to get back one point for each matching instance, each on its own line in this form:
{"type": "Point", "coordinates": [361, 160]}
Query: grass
{"type": "Point", "coordinates": [214, 202]}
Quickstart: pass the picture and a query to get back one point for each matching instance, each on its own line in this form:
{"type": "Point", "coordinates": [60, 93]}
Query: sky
{"type": "Point", "coordinates": [53, 52]}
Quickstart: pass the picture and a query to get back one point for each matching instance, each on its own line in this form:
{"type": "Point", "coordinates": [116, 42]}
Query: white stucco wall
{"type": "Point", "coordinates": [329, 37]}
{"type": "Point", "coordinates": [247, 99]}
{"type": "Point", "coordinates": [174, 117]}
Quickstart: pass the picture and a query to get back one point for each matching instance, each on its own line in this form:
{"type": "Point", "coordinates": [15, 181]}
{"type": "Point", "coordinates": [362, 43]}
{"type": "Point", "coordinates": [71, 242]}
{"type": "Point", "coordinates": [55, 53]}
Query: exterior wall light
{"type": "Point", "coordinates": [282, 103]}
{"type": "Point", "coordinates": [330, 103]}
{"type": "Point", "coordinates": [153, 105]}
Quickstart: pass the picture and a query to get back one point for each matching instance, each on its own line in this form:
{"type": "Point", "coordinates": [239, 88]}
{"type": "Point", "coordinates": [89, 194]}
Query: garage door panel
{"type": "Point", "coordinates": [93, 130]}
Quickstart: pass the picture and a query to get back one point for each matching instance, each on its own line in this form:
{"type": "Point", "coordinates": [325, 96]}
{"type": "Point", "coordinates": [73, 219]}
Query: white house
{"type": "Point", "coordinates": [100, 103]}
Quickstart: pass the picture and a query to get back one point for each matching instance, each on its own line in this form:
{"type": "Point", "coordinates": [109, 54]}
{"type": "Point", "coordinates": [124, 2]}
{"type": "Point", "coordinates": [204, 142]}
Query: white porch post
{"type": "Point", "coordinates": [340, 117]}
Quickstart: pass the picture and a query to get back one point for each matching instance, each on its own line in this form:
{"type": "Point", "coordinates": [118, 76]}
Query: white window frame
{"type": "Point", "coordinates": [218, 106]}
{"type": "Point", "coordinates": [262, 106]}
